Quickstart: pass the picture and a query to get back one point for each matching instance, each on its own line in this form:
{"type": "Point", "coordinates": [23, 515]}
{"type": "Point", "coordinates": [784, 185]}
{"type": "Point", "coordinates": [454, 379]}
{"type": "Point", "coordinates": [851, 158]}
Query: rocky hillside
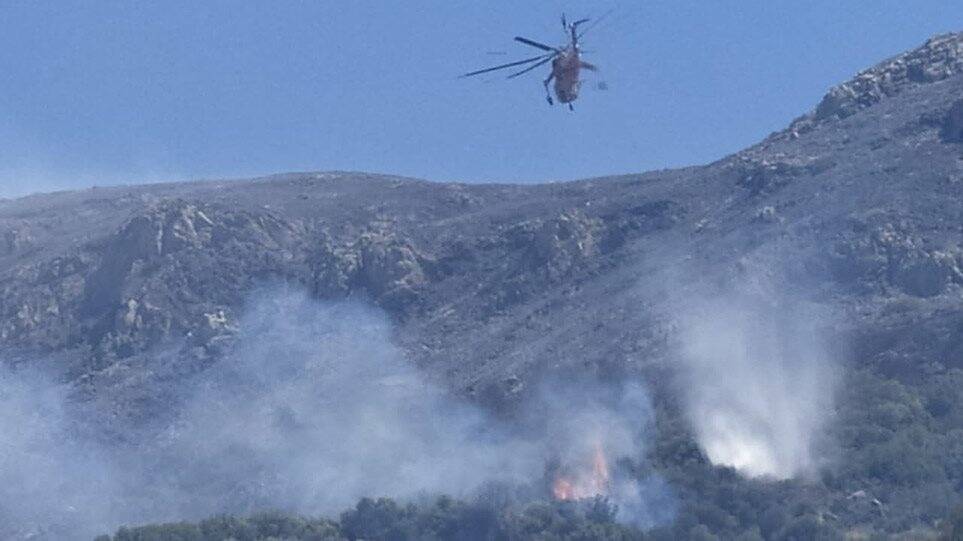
{"type": "Point", "coordinates": [857, 205]}
{"type": "Point", "coordinates": [867, 185]}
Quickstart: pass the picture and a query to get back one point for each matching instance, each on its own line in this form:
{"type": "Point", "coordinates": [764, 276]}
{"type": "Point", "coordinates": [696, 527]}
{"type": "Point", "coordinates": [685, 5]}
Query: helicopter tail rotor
{"type": "Point", "coordinates": [574, 29]}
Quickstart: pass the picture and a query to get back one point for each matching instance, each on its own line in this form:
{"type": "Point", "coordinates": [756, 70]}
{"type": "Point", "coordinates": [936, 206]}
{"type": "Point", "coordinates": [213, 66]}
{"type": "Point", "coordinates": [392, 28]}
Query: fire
{"type": "Point", "coordinates": [592, 480]}
{"type": "Point", "coordinates": [563, 489]}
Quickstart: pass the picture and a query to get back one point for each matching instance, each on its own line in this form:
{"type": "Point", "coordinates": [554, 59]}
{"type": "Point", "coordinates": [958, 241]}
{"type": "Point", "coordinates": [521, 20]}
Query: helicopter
{"type": "Point", "coordinates": [566, 62]}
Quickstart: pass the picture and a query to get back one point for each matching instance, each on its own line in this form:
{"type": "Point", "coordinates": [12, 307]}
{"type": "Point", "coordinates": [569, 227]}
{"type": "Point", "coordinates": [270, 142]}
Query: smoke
{"type": "Point", "coordinates": [20, 182]}
{"type": "Point", "coordinates": [27, 168]}
{"type": "Point", "coordinates": [313, 409]}
{"type": "Point", "coordinates": [593, 436]}
{"type": "Point", "coordinates": [316, 409]}
{"type": "Point", "coordinates": [51, 478]}
{"type": "Point", "coordinates": [758, 379]}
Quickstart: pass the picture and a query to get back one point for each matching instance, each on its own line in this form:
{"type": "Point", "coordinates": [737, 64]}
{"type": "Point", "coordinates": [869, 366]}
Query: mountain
{"type": "Point", "coordinates": [856, 207]}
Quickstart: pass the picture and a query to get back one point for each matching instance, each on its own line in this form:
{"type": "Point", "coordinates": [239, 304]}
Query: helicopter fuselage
{"type": "Point", "coordinates": [565, 69]}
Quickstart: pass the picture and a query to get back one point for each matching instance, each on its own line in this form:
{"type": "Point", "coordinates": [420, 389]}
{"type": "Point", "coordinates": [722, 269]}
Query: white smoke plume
{"type": "Point", "coordinates": [593, 435]}
{"type": "Point", "coordinates": [759, 376]}
{"type": "Point", "coordinates": [313, 409]}
{"type": "Point", "coordinates": [50, 480]}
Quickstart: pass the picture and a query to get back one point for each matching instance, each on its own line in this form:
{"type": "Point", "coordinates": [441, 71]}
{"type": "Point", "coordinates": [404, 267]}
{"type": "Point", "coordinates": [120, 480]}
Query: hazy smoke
{"type": "Point", "coordinates": [314, 409]}
{"type": "Point", "coordinates": [51, 481]}
{"type": "Point", "coordinates": [317, 409]}
{"type": "Point", "coordinates": [758, 379]}
{"type": "Point", "coordinates": [585, 422]}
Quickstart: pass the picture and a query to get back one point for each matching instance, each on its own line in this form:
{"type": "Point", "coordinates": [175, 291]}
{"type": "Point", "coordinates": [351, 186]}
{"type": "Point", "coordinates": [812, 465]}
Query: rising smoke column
{"type": "Point", "coordinates": [759, 375]}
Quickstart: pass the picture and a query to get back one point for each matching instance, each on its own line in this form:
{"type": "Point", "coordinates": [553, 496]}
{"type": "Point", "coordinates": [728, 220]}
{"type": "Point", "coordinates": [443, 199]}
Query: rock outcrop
{"type": "Point", "coordinates": [952, 129]}
{"type": "Point", "coordinates": [940, 58]}
{"type": "Point", "coordinates": [376, 264]}
{"type": "Point", "coordinates": [885, 255]}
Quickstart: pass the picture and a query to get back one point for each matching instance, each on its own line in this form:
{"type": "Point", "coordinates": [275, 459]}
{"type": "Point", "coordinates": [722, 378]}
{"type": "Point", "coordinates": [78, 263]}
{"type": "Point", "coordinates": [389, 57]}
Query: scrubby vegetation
{"type": "Point", "coordinates": [385, 519]}
{"type": "Point", "coordinates": [896, 472]}
{"type": "Point", "coordinates": [895, 468]}
{"type": "Point", "coordinates": [952, 529]}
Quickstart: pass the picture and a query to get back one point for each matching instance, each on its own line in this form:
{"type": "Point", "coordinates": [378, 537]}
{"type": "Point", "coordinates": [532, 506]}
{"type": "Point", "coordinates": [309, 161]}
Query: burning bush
{"type": "Point", "coordinates": [588, 478]}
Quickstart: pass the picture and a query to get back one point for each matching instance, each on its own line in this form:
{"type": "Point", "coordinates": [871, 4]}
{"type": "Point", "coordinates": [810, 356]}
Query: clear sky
{"type": "Point", "coordinates": [105, 92]}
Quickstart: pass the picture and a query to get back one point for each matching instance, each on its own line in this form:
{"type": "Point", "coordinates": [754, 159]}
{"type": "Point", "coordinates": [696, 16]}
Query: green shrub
{"type": "Point", "coordinates": [953, 526]}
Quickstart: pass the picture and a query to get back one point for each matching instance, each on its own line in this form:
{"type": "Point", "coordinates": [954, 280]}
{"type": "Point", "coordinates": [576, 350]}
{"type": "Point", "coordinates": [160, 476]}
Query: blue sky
{"type": "Point", "coordinates": [106, 92]}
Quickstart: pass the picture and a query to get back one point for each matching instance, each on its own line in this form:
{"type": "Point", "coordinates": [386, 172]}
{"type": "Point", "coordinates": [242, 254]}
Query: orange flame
{"type": "Point", "coordinates": [563, 489]}
{"type": "Point", "coordinates": [593, 481]}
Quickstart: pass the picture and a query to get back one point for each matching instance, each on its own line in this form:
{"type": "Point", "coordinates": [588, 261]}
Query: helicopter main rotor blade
{"type": "Point", "coordinates": [509, 65]}
{"type": "Point", "coordinates": [535, 44]}
{"type": "Point", "coordinates": [533, 66]}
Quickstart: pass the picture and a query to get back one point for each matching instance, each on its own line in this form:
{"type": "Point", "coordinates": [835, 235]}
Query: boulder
{"type": "Point", "coordinates": [886, 256]}
{"type": "Point", "coordinates": [952, 129]}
